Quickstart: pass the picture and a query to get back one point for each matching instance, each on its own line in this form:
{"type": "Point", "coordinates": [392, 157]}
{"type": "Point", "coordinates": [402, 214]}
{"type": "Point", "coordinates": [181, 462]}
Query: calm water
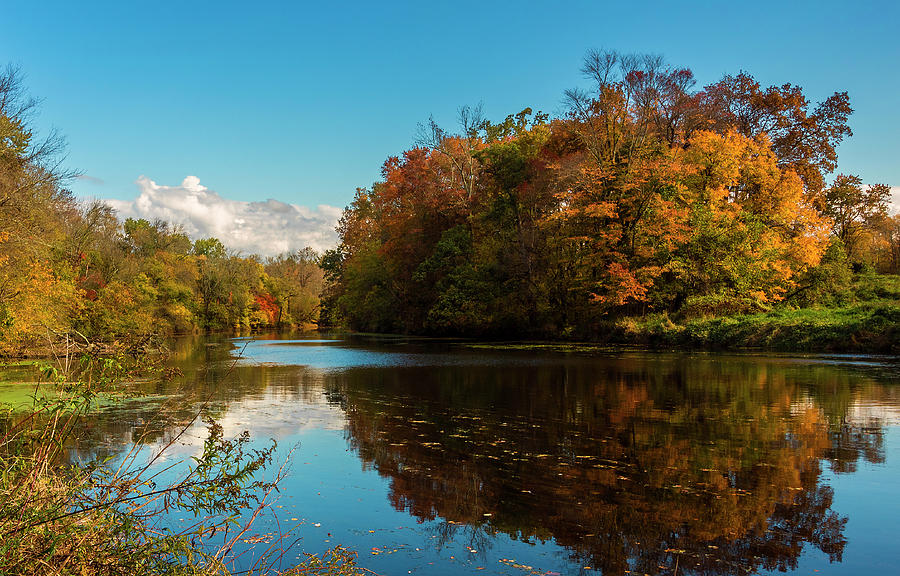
{"type": "Point", "coordinates": [445, 459]}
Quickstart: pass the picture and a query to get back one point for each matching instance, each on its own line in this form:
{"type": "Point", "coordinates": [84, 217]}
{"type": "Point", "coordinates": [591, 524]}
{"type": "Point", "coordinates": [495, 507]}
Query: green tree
{"type": "Point", "coordinates": [855, 210]}
{"type": "Point", "coordinates": [296, 280]}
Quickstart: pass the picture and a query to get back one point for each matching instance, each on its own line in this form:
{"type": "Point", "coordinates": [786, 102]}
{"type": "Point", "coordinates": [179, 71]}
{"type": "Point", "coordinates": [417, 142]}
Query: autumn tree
{"type": "Point", "coordinates": [35, 289]}
{"type": "Point", "coordinates": [855, 210]}
{"type": "Point", "coordinates": [457, 150]}
{"type": "Point", "coordinates": [803, 140]}
{"type": "Point", "coordinates": [753, 227]}
{"type": "Point", "coordinates": [295, 280]}
{"type": "Point", "coordinates": [888, 244]}
{"type": "Point", "coordinates": [361, 292]}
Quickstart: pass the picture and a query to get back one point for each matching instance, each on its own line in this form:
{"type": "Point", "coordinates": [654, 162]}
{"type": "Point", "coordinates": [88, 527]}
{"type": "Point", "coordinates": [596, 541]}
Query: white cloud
{"type": "Point", "coordinates": [894, 207]}
{"type": "Point", "coordinates": [266, 228]}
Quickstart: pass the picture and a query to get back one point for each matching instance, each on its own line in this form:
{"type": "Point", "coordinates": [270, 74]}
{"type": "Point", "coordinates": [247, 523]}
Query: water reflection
{"type": "Point", "coordinates": [648, 463]}
{"type": "Point", "coordinates": [630, 463]}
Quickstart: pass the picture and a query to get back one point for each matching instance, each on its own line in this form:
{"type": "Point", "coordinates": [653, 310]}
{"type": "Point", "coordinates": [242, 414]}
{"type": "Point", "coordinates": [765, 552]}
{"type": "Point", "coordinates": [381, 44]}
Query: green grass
{"type": "Point", "coordinates": [870, 324]}
{"type": "Point", "coordinates": [867, 320]}
{"type": "Point", "coordinates": [870, 327]}
{"type": "Point", "coordinates": [867, 328]}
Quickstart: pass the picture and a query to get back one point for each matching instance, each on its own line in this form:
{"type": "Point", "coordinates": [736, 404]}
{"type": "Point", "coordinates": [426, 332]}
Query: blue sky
{"type": "Point", "coordinates": [302, 102]}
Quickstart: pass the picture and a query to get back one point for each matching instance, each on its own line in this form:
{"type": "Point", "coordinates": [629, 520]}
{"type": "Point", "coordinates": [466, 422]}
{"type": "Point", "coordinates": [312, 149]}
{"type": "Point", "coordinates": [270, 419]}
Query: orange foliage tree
{"type": "Point", "coordinates": [647, 195]}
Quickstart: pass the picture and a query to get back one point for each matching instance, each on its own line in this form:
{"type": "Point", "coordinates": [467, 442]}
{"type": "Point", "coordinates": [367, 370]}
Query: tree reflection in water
{"type": "Point", "coordinates": [710, 465]}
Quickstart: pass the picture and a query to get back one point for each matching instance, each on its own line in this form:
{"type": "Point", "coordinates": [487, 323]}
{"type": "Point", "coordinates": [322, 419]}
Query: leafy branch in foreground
{"type": "Point", "coordinates": [114, 516]}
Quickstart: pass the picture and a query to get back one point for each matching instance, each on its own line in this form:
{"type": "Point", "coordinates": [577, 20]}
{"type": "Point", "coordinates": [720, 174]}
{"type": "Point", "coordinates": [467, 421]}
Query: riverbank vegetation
{"type": "Point", "coordinates": [651, 211]}
{"type": "Point", "coordinates": [64, 511]}
{"type": "Point", "coordinates": [69, 267]}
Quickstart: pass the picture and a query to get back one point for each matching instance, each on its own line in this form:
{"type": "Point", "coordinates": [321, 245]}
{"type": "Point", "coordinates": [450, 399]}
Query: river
{"type": "Point", "coordinates": [431, 457]}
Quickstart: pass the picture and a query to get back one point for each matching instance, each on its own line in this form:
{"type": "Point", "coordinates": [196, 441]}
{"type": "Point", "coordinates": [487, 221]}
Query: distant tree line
{"type": "Point", "coordinates": [648, 195]}
{"type": "Point", "coordinates": [71, 268]}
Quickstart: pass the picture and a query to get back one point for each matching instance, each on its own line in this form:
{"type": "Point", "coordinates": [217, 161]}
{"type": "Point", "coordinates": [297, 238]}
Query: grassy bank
{"type": "Point", "coordinates": [871, 328]}
{"type": "Point", "coordinates": [860, 317]}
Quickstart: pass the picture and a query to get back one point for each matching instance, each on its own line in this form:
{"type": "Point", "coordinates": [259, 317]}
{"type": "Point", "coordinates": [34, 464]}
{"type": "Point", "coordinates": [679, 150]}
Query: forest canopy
{"type": "Point", "coordinates": [649, 194]}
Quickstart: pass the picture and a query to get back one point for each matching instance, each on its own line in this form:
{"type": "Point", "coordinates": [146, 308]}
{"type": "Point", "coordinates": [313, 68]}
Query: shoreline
{"type": "Point", "coordinates": [863, 329]}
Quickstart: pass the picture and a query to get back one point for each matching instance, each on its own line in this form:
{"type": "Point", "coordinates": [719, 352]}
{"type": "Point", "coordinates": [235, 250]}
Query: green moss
{"type": "Point", "coordinates": [21, 395]}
